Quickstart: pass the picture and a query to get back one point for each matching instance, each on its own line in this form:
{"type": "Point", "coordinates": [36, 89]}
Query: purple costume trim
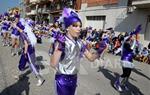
{"type": "Point", "coordinates": [6, 26]}
{"type": "Point", "coordinates": [55, 33]}
{"type": "Point", "coordinates": [102, 47]}
{"type": "Point", "coordinates": [29, 57]}
{"type": "Point", "coordinates": [127, 54]}
{"type": "Point", "coordinates": [65, 84]}
{"type": "Point", "coordinates": [15, 32]}
{"type": "Point", "coordinates": [25, 58]}
{"type": "Point", "coordinates": [19, 24]}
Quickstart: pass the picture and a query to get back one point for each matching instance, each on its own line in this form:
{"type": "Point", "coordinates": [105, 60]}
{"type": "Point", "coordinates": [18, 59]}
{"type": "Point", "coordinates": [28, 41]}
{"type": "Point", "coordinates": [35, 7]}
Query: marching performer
{"type": "Point", "coordinates": [15, 36]}
{"type": "Point", "coordinates": [68, 50]}
{"type": "Point", "coordinates": [5, 28]}
{"type": "Point", "coordinates": [28, 54]}
{"type": "Point", "coordinates": [127, 60]}
{"type": "Point", "coordinates": [55, 30]}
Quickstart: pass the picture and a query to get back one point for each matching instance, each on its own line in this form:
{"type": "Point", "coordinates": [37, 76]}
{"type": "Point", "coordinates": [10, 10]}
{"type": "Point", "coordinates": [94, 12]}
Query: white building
{"type": "Point", "coordinates": [122, 15]}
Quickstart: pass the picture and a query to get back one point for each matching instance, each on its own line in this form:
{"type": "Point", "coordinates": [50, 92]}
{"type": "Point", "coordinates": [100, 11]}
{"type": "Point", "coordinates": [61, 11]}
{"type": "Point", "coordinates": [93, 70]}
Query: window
{"type": "Point", "coordinates": [95, 17]}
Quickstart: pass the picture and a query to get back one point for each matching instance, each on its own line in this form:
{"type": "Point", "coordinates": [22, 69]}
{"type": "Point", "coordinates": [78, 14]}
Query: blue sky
{"type": "Point", "coordinates": [6, 4]}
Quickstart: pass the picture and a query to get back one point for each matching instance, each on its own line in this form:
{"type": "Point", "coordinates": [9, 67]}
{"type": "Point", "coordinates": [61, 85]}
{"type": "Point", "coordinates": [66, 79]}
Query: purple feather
{"type": "Point", "coordinates": [66, 12]}
{"type": "Point", "coordinates": [137, 30]}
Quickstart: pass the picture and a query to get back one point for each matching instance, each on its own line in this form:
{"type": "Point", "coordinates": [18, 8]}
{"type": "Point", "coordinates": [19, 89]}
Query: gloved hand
{"type": "Point", "coordinates": [102, 47]}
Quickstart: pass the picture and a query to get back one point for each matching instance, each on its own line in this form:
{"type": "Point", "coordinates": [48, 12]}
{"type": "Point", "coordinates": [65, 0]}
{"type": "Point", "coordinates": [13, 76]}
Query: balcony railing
{"type": "Point", "coordinates": [58, 6]}
{"type": "Point", "coordinates": [141, 3]}
{"type": "Point", "coordinates": [34, 1]}
{"type": "Point", "coordinates": [33, 12]}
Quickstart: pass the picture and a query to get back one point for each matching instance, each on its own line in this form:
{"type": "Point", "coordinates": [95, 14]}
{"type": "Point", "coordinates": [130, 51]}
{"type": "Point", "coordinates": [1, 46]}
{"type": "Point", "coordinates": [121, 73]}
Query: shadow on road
{"type": "Point", "coordinates": [39, 63]}
{"type": "Point", "coordinates": [133, 90]}
{"type": "Point", "coordinates": [20, 87]}
{"type": "Point", "coordinates": [139, 73]}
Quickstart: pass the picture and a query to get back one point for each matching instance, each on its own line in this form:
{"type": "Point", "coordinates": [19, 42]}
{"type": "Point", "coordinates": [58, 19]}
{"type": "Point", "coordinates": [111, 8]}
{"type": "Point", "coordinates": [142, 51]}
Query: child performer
{"type": "Point", "coordinates": [28, 54]}
{"type": "Point", "coordinates": [67, 54]}
{"type": "Point", "coordinates": [5, 28]}
{"type": "Point", "coordinates": [127, 60]}
{"type": "Point", "coordinates": [15, 36]}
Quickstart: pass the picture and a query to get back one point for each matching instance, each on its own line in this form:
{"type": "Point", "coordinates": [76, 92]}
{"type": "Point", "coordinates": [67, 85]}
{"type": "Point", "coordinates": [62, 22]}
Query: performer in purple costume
{"type": "Point", "coordinates": [127, 63]}
{"type": "Point", "coordinates": [15, 36]}
{"type": "Point", "coordinates": [5, 28]}
{"type": "Point", "coordinates": [28, 54]}
{"type": "Point", "coordinates": [54, 32]}
{"type": "Point", "coordinates": [127, 59]}
{"type": "Point", "coordinates": [67, 54]}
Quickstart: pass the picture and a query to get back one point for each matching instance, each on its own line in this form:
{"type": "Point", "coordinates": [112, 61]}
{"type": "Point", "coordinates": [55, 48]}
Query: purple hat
{"type": "Point", "coordinates": [1, 15]}
{"type": "Point", "coordinates": [6, 14]}
{"type": "Point", "coordinates": [90, 28]}
{"type": "Point", "coordinates": [17, 16]}
{"type": "Point", "coordinates": [69, 16]}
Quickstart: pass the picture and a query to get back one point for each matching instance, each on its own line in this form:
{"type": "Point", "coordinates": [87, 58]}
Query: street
{"type": "Point", "coordinates": [95, 78]}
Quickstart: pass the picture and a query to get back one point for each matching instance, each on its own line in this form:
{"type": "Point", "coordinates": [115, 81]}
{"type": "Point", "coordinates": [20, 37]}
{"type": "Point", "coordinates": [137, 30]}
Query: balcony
{"type": "Point", "coordinates": [34, 1]}
{"type": "Point", "coordinates": [26, 2]}
{"type": "Point", "coordinates": [45, 11]}
{"type": "Point", "coordinates": [33, 12]}
{"type": "Point", "coordinates": [141, 3]}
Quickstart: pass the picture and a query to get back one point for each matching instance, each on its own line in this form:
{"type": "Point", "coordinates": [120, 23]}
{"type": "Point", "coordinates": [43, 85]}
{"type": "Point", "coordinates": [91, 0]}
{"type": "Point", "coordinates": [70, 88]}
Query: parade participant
{"type": "Point", "coordinates": [67, 53]}
{"type": "Point", "coordinates": [55, 30]}
{"type": "Point", "coordinates": [127, 60]}
{"type": "Point", "coordinates": [15, 36]}
{"type": "Point", "coordinates": [1, 17]}
{"type": "Point", "coordinates": [28, 52]}
{"type": "Point", "coordinates": [5, 28]}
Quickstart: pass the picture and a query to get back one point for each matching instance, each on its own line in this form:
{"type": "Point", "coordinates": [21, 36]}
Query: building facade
{"type": "Point", "coordinates": [48, 10]}
{"type": "Point", "coordinates": [122, 15]}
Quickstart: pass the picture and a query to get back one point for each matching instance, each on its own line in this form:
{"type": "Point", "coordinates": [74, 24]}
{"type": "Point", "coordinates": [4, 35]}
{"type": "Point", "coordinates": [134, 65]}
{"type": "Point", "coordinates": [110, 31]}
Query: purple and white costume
{"type": "Point", "coordinates": [5, 26]}
{"type": "Point", "coordinates": [15, 33]}
{"type": "Point", "coordinates": [30, 56]}
{"type": "Point", "coordinates": [126, 61]}
{"type": "Point", "coordinates": [54, 34]}
{"type": "Point", "coordinates": [68, 66]}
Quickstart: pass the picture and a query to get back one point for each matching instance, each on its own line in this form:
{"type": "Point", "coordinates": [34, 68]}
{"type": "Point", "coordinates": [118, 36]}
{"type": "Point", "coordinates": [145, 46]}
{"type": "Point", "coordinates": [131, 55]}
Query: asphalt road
{"type": "Point", "coordinates": [94, 78]}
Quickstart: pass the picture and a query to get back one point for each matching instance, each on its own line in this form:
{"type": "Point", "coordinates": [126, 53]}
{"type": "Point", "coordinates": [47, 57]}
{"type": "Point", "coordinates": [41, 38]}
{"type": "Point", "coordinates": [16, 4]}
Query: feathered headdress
{"type": "Point", "coordinates": [69, 16]}
{"type": "Point", "coordinates": [28, 30]}
{"type": "Point", "coordinates": [6, 14]}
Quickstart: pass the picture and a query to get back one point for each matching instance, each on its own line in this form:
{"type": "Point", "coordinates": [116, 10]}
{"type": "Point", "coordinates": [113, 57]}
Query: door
{"type": "Point", "coordinates": [97, 22]}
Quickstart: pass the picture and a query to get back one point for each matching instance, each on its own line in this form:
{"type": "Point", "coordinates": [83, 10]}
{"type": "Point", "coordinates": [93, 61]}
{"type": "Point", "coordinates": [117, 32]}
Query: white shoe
{"type": "Point", "coordinates": [12, 54]}
{"type": "Point", "coordinates": [16, 77]}
{"type": "Point", "coordinates": [40, 82]}
{"type": "Point", "coordinates": [3, 44]}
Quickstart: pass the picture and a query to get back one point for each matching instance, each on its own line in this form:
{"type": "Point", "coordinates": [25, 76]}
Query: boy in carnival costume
{"type": "Point", "coordinates": [55, 30]}
{"type": "Point", "coordinates": [68, 50]}
{"type": "Point", "coordinates": [127, 59]}
{"type": "Point", "coordinates": [28, 54]}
